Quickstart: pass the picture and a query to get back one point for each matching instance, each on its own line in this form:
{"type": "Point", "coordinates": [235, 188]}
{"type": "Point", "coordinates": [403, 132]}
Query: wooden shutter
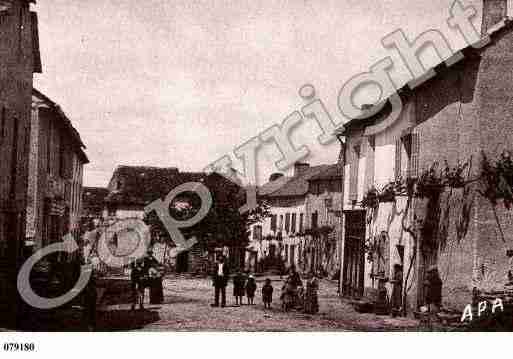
{"type": "Point", "coordinates": [369, 170]}
{"type": "Point", "coordinates": [273, 223]}
{"type": "Point", "coordinates": [353, 179]}
{"type": "Point", "coordinates": [398, 149]}
{"type": "Point", "coordinates": [414, 156]}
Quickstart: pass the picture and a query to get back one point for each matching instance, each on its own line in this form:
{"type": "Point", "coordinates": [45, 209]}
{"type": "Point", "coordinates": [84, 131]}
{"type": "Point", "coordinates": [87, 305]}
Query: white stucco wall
{"type": "Point", "coordinates": [263, 247]}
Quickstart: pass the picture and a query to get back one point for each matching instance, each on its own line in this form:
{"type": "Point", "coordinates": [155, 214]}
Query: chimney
{"type": "Point", "coordinates": [493, 12]}
{"type": "Point", "coordinates": [300, 168]}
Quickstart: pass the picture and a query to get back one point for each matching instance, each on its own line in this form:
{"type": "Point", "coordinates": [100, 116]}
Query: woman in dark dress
{"type": "Point", "coordinates": [152, 269]}
{"type": "Point", "coordinates": [239, 284]}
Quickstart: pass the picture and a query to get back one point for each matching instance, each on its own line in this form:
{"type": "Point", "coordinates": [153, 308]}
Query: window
{"type": "Point", "coordinates": [353, 179]}
{"type": "Point", "coordinates": [315, 218]}
{"type": "Point", "coordinates": [293, 223]}
{"type": "Point", "coordinates": [336, 185]}
{"type": "Point", "coordinates": [273, 223]}
{"type": "Point", "coordinates": [62, 161]}
{"type": "Point", "coordinates": [301, 216]}
{"type": "Point", "coordinates": [412, 145]}
{"type": "Point", "coordinates": [287, 222]}
{"type": "Point", "coordinates": [280, 224]}
{"type": "Point", "coordinates": [286, 252]}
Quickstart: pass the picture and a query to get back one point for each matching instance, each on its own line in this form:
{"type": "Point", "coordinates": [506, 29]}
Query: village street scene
{"type": "Point", "coordinates": [157, 174]}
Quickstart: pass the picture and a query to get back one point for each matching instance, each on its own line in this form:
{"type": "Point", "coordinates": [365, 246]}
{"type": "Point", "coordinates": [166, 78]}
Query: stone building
{"type": "Point", "coordinates": [460, 115]}
{"type": "Point", "coordinates": [322, 244]}
{"type": "Point", "coordinates": [93, 206]}
{"type": "Point", "coordinates": [56, 164]}
{"type": "Point", "coordinates": [131, 188]}
{"type": "Point", "coordinates": [283, 233]}
{"type": "Point", "coordinates": [19, 59]}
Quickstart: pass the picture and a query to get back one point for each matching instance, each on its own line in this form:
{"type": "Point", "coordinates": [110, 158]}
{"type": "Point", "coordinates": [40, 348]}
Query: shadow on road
{"type": "Point", "coordinates": [125, 319]}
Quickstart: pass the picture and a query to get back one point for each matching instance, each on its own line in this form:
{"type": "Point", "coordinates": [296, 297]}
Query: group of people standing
{"type": "Point", "coordinates": [145, 273]}
{"type": "Point", "coordinates": [294, 294]}
{"type": "Point", "coordinates": [244, 284]}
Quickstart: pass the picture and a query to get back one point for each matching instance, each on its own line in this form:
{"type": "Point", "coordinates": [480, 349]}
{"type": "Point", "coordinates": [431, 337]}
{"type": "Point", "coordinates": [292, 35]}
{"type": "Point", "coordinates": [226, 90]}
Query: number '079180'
{"type": "Point", "coordinates": [19, 347]}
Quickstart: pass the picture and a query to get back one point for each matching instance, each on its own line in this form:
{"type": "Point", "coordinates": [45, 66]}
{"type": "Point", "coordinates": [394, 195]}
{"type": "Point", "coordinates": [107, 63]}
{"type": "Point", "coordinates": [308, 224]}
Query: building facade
{"type": "Point", "coordinates": [286, 238]}
{"type": "Point", "coordinates": [401, 218]}
{"type": "Point", "coordinates": [322, 245]}
{"type": "Point", "coordinates": [56, 164]}
{"type": "Point", "coordinates": [19, 59]}
{"type": "Point", "coordinates": [131, 188]}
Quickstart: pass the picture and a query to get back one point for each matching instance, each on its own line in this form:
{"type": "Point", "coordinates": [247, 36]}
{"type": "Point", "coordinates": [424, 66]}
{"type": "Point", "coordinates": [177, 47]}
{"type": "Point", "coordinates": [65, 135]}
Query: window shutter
{"type": "Point", "coordinates": [293, 223]}
{"type": "Point", "coordinates": [273, 223]}
{"type": "Point", "coordinates": [414, 158]}
{"type": "Point", "coordinates": [287, 222]}
{"type": "Point", "coordinates": [353, 184]}
{"type": "Point", "coordinates": [301, 216]}
{"type": "Point", "coordinates": [369, 171]}
{"type": "Point", "coordinates": [398, 148]}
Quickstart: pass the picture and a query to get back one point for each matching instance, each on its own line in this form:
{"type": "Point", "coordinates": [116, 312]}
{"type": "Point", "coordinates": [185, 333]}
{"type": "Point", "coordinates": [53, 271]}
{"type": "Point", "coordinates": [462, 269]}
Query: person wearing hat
{"type": "Point", "coordinates": [153, 273]}
{"type": "Point", "coordinates": [220, 280]}
{"type": "Point", "coordinates": [433, 285]}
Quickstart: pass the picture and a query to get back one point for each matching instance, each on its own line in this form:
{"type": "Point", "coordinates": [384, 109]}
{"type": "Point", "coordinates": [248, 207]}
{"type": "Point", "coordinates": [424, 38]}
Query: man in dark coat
{"type": "Point", "coordinates": [220, 280]}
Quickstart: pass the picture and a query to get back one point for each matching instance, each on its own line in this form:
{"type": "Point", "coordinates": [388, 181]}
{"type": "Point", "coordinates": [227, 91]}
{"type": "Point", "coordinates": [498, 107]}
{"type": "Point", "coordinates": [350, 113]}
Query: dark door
{"type": "Point", "coordinates": [272, 250]}
{"type": "Point", "coordinates": [354, 254]}
{"type": "Point", "coordinates": [182, 262]}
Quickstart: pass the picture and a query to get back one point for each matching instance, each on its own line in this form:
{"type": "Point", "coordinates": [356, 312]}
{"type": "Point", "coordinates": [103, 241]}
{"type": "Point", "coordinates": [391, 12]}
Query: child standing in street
{"type": "Point", "coordinates": [311, 304]}
{"type": "Point", "coordinates": [251, 287]}
{"type": "Point", "coordinates": [239, 283]}
{"type": "Point", "coordinates": [267, 293]}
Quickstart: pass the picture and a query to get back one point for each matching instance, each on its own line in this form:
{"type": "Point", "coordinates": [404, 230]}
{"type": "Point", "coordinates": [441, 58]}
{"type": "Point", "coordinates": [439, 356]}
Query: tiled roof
{"type": "Point", "coordinates": [298, 185]}
{"type": "Point", "coordinates": [335, 171]}
{"type": "Point", "coordinates": [469, 51]}
{"type": "Point", "coordinates": [272, 186]}
{"type": "Point", "coordinates": [140, 185]}
{"type": "Point", "coordinates": [94, 196]}
{"type": "Point", "coordinates": [66, 122]}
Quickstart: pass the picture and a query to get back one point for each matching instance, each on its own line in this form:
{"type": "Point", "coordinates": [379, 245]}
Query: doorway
{"type": "Point", "coordinates": [182, 262]}
{"type": "Point", "coordinates": [354, 254]}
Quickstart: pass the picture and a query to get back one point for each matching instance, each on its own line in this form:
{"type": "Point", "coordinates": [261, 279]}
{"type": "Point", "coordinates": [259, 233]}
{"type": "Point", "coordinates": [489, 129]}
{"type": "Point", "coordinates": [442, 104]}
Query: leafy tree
{"type": "Point", "coordinates": [222, 226]}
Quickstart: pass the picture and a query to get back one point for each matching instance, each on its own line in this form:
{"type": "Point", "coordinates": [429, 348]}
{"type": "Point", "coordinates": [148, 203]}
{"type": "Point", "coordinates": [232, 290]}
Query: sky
{"type": "Point", "coordinates": [181, 83]}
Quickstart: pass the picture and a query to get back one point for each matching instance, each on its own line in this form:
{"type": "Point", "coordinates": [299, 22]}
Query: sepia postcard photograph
{"type": "Point", "coordinates": [222, 167]}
